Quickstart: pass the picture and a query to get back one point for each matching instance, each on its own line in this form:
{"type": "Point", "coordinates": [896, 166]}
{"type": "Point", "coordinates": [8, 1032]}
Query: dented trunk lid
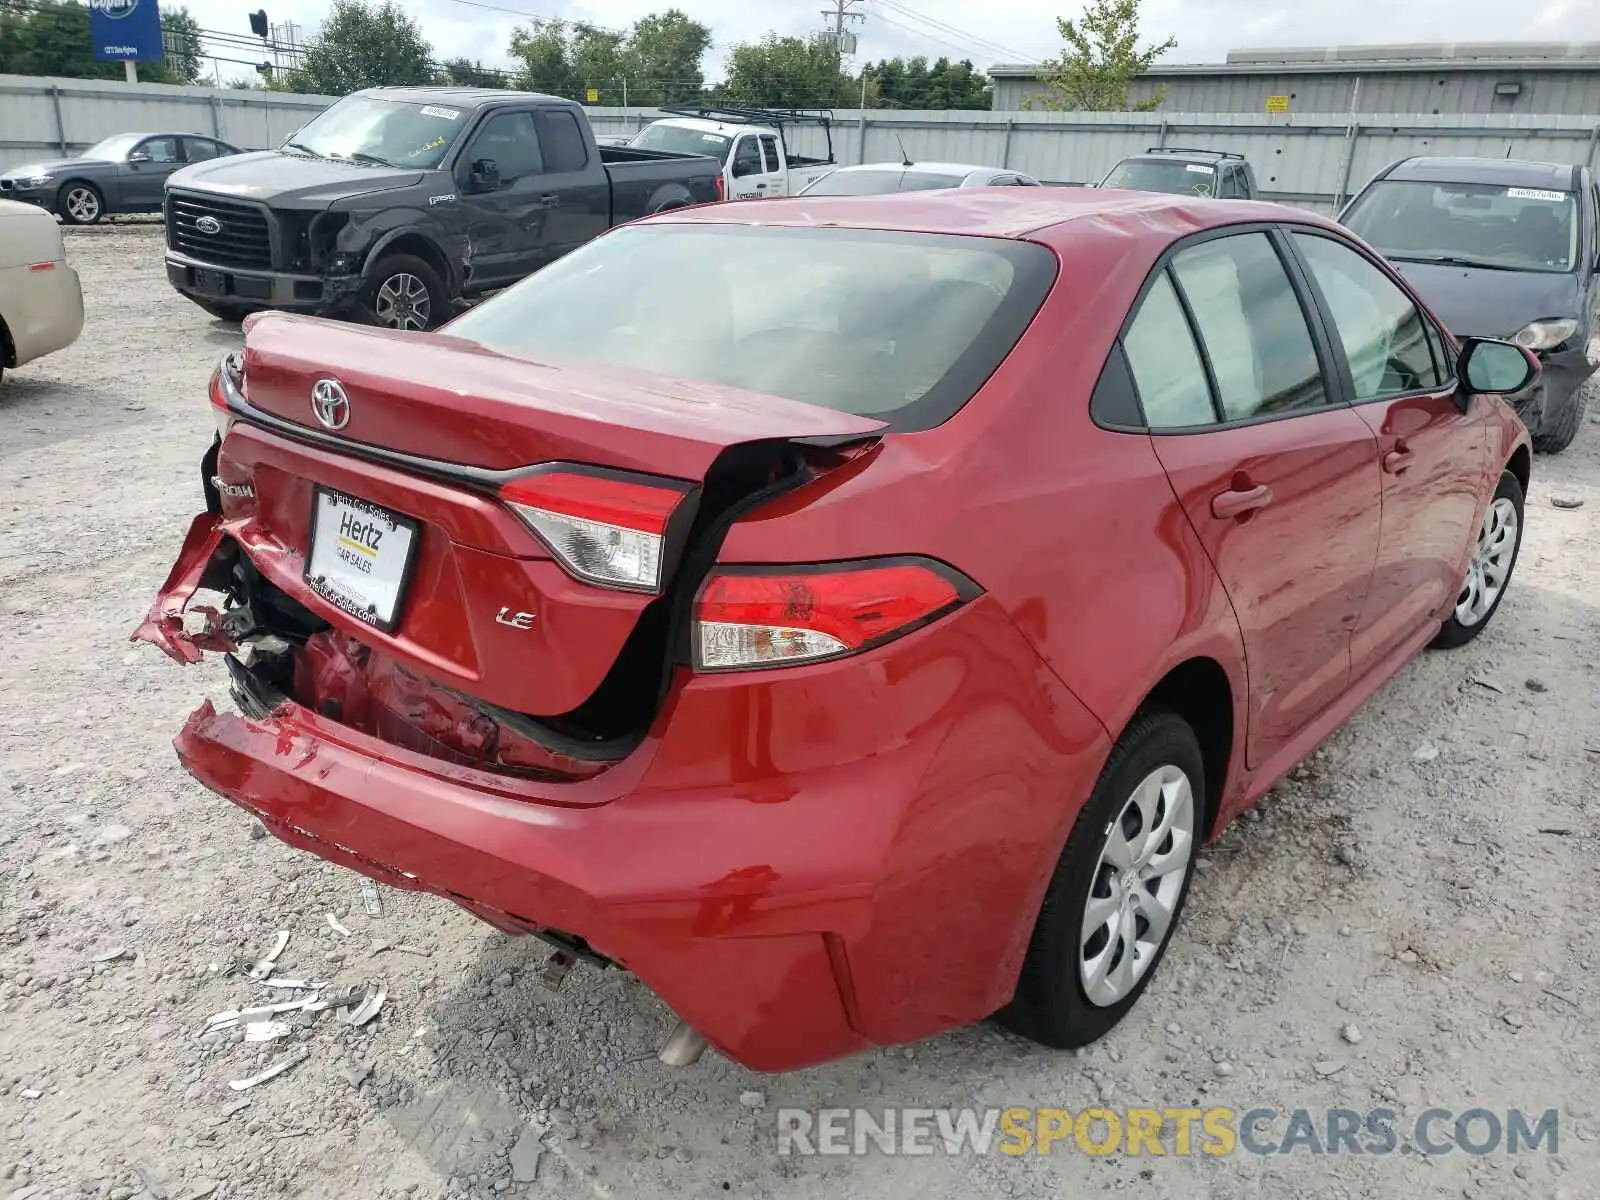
{"type": "Point", "coordinates": [485, 607]}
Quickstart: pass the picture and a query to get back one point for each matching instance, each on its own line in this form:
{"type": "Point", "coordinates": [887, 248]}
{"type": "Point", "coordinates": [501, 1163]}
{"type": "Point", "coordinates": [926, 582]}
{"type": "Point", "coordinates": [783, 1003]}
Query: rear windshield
{"type": "Point", "coordinates": [900, 326]}
{"type": "Point", "coordinates": [857, 183]}
{"type": "Point", "coordinates": [1471, 224]}
{"type": "Point", "coordinates": [675, 139]}
{"type": "Point", "coordinates": [1163, 175]}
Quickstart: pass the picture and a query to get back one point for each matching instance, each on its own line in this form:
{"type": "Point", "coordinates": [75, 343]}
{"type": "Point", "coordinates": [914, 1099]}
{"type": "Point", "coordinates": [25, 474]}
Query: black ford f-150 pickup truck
{"type": "Point", "coordinates": [395, 203]}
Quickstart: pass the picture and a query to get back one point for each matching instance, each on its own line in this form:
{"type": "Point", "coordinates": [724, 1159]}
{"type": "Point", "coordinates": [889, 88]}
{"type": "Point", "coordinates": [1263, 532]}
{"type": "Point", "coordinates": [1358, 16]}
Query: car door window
{"type": "Point", "coordinates": [1251, 326]}
{"type": "Point", "coordinates": [161, 149]}
{"type": "Point", "coordinates": [562, 142]}
{"type": "Point", "coordinates": [197, 149]}
{"type": "Point", "coordinates": [746, 158]}
{"type": "Point", "coordinates": [510, 141]}
{"type": "Point", "coordinates": [1165, 363]}
{"type": "Point", "coordinates": [769, 152]}
{"type": "Point", "coordinates": [1383, 334]}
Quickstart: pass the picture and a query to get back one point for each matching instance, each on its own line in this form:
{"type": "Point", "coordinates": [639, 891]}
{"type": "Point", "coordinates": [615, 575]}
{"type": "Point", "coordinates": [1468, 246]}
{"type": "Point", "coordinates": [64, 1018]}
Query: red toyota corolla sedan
{"type": "Point", "coordinates": [850, 615]}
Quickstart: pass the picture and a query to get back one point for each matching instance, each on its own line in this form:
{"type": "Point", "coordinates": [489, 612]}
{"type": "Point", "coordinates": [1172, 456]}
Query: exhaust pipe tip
{"type": "Point", "coordinates": [683, 1047]}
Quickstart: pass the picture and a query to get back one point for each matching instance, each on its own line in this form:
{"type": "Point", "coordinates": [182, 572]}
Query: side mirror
{"type": "Point", "coordinates": [483, 176]}
{"type": "Point", "coordinates": [139, 156]}
{"type": "Point", "coordinates": [1491, 367]}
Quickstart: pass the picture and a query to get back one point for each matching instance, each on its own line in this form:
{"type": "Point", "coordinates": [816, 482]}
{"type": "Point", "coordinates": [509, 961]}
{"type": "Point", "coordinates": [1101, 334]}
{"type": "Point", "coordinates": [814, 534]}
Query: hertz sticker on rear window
{"type": "Point", "coordinates": [449, 114]}
{"type": "Point", "coordinates": [1535, 194]}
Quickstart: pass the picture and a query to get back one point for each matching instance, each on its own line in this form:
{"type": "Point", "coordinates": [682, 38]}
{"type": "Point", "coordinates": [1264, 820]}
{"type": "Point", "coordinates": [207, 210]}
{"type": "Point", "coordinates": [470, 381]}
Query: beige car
{"type": "Point", "coordinates": [41, 301]}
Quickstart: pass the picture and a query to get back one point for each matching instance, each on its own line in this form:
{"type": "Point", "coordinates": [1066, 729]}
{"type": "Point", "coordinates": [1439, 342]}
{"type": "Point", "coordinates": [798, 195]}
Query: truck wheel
{"type": "Point", "coordinates": [81, 204]}
{"type": "Point", "coordinates": [1561, 421]}
{"type": "Point", "coordinates": [404, 292]}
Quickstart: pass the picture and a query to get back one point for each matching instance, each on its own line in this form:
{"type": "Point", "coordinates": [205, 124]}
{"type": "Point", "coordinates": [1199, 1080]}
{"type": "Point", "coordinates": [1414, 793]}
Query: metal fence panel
{"type": "Point", "coordinates": [1311, 159]}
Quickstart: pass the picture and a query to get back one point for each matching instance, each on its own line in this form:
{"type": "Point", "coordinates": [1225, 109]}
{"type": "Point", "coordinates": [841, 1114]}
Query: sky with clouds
{"type": "Point", "coordinates": [1014, 31]}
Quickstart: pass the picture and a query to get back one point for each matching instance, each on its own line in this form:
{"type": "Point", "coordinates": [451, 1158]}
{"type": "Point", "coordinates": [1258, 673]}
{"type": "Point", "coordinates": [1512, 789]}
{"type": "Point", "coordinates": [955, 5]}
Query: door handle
{"type": "Point", "coordinates": [1398, 459]}
{"type": "Point", "coordinates": [1238, 502]}
{"type": "Point", "coordinates": [550, 200]}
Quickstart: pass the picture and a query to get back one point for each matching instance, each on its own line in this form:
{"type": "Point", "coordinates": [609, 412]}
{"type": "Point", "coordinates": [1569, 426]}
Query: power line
{"type": "Point", "coordinates": [989, 45]}
{"type": "Point", "coordinates": [922, 33]}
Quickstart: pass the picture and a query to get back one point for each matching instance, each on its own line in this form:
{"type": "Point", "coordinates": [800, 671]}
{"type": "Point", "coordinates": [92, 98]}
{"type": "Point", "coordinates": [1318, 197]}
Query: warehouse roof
{"type": "Point", "coordinates": [1325, 60]}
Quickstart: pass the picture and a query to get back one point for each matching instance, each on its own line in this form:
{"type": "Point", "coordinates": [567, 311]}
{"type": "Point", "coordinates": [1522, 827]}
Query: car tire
{"type": "Point", "coordinates": [404, 292]}
{"type": "Point", "coordinates": [80, 203]}
{"type": "Point", "coordinates": [1561, 420]}
{"type": "Point", "coordinates": [1493, 554]}
{"type": "Point", "coordinates": [1080, 978]}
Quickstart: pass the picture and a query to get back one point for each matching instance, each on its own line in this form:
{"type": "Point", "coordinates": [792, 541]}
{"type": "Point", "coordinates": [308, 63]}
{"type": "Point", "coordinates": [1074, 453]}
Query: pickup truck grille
{"type": "Point", "coordinates": [224, 232]}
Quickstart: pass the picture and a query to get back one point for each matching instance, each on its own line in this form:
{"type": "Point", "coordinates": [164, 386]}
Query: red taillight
{"type": "Point", "coordinates": [722, 189]}
{"type": "Point", "coordinates": [44, 266]}
{"type": "Point", "coordinates": [602, 528]}
{"type": "Point", "coordinates": [772, 616]}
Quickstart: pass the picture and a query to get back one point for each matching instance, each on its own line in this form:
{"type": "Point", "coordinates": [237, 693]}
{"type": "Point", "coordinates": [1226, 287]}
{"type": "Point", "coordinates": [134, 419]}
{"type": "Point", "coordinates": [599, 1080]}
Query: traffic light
{"type": "Point", "coordinates": [258, 24]}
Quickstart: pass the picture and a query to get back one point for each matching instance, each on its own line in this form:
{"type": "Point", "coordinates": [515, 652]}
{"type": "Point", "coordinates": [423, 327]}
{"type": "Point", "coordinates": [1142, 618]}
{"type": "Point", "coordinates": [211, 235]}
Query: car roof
{"type": "Point", "coordinates": [706, 125]}
{"type": "Point", "coordinates": [1050, 215]}
{"type": "Point", "coordinates": [459, 97]}
{"type": "Point", "coordinates": [931, 168]}
{"type": "Point", "coordinates": [1507, 172]}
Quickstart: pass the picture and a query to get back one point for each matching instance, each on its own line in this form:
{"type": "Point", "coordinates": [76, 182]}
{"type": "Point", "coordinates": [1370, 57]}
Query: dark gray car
{"type": "Point", "coordinates": [123, 174]}
{"type": "Point", "coordinates": [1185, 171]}
{"type": "Point", "coordinates": [1500, 248]}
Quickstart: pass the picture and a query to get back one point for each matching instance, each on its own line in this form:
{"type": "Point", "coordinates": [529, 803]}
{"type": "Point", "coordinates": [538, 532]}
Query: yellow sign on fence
{"type": "Point", "coordinates": [1277, 104]}
{"type": "Point", "coordinates": [593, 95]}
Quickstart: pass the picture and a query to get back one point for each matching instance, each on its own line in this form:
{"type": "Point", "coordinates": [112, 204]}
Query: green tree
{"type": "Point", "coordinates": [51, 37]}
{"type": "Point", "coordinates": [662, 58]}
{"type": "Point", "coordinates": [1101, 58]}
{"type": "Point", "coordinates": [912, 83]}
{"type": "Point", "coordinates": [362, 45]}
{"type": "Point", "coordinates": [657, 61]}
{"type": "Point", "coordinates": [463, 72]}
{"type": "Point", "coordinates": [788, 72]}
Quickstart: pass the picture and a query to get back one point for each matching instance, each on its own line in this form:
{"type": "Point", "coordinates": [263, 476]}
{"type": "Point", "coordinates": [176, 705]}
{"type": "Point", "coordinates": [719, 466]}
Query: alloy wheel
{"type": "Point", "coordinates": [1491, 563]}
{"type": "Point", "coordinates": [1136, 885]}
{"type": "Point", "coordinates": [403, 302]}
{"type": "Point", "coordinates": [83, 205]}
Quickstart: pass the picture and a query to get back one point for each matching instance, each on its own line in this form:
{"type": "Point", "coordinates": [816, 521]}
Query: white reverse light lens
{"type": "Point", "coordinates": [599, 552]}
{"type": "Point", "coordinates": [723, 644]}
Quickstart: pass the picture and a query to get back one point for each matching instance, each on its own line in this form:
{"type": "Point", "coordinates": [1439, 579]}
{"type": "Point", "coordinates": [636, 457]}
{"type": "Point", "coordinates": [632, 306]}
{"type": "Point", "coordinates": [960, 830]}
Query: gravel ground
{"type": "Point", "coordinates": [1430, 879]}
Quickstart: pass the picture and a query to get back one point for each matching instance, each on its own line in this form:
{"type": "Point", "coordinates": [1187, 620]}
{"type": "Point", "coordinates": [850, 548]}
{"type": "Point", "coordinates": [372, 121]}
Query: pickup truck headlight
{"type": "Point", "coordinates": [1545, 335]}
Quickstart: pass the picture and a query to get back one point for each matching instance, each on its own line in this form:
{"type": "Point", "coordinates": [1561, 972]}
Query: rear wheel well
{"type": "Point", "coordinates": [423, 249]}
{"type": "Point", "coordinates": [1199, 692]}
{"type": "Point", "coordinates": [1520, 464]}
{"type": "Point", "coordinates": [8, 348]}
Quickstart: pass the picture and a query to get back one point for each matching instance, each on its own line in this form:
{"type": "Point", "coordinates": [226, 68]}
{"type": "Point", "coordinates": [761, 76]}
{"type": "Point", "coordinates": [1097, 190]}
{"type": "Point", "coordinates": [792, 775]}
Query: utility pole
{"type": "Point", "coordinates": [841, 14]}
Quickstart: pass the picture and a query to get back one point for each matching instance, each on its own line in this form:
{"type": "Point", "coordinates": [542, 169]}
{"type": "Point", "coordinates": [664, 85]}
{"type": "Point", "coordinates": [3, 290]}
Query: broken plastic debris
{"type": "Point", "coordinates": [370, 899]}
{"type": "Point", "coordinates": [264, 968]}
{"type": "Point", "coordinates": [294, 984]}
{"type": "Point", "coordinates": [337, 926]}
{"type": "Point", "coordinates": [262, 1011]}
{"type": "Point", "coordinates": [293, 1059]}
{"type": "Point", "coordinates": [222, 1020]}
{"type": "Point", "coordinates": [265, 1031]}
{"type": "Point", "coordinates": [369, 1007]}
{"type": "Point", "coordinates": [110, 955]}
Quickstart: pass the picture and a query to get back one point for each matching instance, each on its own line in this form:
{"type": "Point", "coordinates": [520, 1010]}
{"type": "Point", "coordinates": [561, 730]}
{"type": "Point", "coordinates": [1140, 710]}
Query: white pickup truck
{"type": "Point", "coordinates": [749, 142]}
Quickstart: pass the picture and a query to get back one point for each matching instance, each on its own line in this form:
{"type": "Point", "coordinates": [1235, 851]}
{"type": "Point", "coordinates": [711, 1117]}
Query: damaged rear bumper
{"type": "Point", "coordinates": [620, 877]}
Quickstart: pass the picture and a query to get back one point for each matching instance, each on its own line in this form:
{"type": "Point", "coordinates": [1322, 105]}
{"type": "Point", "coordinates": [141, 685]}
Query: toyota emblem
{"type": "Point", "coordinates": [209, 225]}
{"type": "Point", "coordinates": [329, 404]}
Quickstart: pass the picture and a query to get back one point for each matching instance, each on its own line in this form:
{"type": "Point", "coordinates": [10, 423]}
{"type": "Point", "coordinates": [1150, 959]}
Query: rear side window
{"type": "Point", "coordinates": [1384, 337]}
{"type": "Point", "coordinates": [564, 147]}
{"type": "Point", "coordinates": [1252, 327]}
{"type": "Point", "coordinates": [901, 326]}
{"type": "Point", "coordinates": [1166, 366]}
{"type": "Point", "coordinates": [769, 152]}
{"type": "Point", "coordinates": [929, 181]}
